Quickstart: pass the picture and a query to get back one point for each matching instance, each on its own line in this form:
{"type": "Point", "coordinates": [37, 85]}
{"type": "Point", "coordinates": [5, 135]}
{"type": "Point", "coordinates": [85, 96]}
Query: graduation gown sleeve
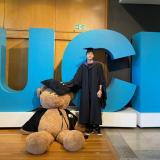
{"type": "Point", "coordinates": [103, 83]}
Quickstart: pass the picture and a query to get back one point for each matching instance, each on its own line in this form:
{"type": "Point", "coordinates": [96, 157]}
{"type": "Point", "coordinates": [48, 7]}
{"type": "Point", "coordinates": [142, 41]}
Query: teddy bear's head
{"type": "Point", "coordinates": [49, 99]}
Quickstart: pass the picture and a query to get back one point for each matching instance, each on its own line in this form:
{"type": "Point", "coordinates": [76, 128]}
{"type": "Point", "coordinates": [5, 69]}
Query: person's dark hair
{"type": "Point", "coordinates": [89, 50]}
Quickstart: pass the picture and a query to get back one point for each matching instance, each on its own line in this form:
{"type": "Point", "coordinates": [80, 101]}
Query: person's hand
{"type": "Point", "coordinates": [99, 93]}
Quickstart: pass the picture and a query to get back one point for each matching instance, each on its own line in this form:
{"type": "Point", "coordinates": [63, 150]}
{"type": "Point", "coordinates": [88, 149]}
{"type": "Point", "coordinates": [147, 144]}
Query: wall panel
{"type": "Point", "coordinates": [21, 14]}
{"type": "Point", "coordinates": [62, 15]}
{"type": "Point", "coordinates": [1, 12]}
{"type": "Point", "coordinates": [17, 63]}
{"type": "Point", "coordinates": [91, 13]}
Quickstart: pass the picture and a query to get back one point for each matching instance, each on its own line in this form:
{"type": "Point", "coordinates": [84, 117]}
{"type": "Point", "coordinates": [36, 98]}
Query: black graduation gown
{"type": "Point", "coordinates": [32, 124]}
{"type": "Point", "coordinates": [89, 78]}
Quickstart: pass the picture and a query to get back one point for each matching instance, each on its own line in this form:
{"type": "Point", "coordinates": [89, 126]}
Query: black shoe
{"type": "Point", "coordinates": [97, 131]}
{"type": "Point", "coordinates": [88, 131]}
{"type": "Point", "coordinates": [85, 136]}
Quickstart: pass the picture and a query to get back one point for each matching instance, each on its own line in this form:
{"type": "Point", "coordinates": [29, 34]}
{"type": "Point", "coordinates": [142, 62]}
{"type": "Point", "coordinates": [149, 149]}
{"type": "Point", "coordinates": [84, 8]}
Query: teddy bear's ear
{"type": "Point", "coordinates": [38, 92]}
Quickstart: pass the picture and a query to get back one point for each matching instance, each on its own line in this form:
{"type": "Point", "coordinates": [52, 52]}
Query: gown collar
{"type": "Point", "coordinates": [90, 65]}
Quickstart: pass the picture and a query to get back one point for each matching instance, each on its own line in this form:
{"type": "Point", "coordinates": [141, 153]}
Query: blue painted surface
{"type": "Point", "coordinates": [146, 71]}
{"type": "Point", "coordinates": [116, 44]}
{"type": "Point", "coordinates": [119, 94]}
{"type": "Point", "coordinates": [40, 67]}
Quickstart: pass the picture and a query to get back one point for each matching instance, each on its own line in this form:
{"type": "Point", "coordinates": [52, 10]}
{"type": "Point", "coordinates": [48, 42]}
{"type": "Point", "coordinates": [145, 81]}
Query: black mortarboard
{"type": "Point", "coordinates": [57, 86]}
{"type": "Point", "coordinates": [89, 50]}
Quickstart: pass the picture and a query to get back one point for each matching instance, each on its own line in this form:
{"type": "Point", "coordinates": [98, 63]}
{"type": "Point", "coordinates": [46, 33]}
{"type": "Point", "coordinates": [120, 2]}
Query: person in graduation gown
{"type": "Point", "coordinates": [90, 79]}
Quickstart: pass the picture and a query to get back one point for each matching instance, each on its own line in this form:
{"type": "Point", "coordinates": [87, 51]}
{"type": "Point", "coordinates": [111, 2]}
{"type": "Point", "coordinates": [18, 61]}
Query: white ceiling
{"type": "Point", "coordinates": [157, 2]}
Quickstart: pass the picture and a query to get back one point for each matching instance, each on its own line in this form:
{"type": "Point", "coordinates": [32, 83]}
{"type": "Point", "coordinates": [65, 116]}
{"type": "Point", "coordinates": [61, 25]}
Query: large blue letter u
{"type": "Point", "coordinates": [40, 67]}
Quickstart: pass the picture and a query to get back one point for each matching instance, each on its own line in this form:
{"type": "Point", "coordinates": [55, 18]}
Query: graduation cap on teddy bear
{"type": "Point", "coordinates": [57, 86]}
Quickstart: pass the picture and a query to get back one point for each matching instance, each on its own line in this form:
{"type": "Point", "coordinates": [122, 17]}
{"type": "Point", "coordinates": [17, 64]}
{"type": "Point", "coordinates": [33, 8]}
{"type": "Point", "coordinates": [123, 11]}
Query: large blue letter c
{"type": "Point", "coordinates": [119, 92]}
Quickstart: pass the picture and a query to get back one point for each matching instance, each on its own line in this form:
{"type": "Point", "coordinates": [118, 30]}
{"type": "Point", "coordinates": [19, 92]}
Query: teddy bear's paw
{"type": "Point", "coordinates": [73, 141]}
{"type": "Point", "coordinates": [61, 135]}
{"type": "Point", "coordinates": [38, 142]}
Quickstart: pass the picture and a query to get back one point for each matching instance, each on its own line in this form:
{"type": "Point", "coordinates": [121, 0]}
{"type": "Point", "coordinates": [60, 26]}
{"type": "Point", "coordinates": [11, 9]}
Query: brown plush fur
{"type": "Point", "coordinates": [73, 140]}
{"type": "Point", "coordinates": [52, 125]}
{"type": "Point", "coordinates": [38, 142]}
{"type": "Point", "coordinates": [49, 119]}
{"type": "Point", "coordinates": [49, 99]}
{"type": "Point", "coordinates": [61, 135]}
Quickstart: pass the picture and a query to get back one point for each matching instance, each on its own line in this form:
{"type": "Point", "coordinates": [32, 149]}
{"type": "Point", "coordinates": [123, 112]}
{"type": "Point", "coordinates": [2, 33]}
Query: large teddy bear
{"type": "Point", "coordinates": [52, 122]}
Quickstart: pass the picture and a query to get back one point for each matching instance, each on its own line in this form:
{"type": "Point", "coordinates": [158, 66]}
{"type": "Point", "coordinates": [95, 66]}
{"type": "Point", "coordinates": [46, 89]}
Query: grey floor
{"type": "Point", "coordinates": [135, 143]}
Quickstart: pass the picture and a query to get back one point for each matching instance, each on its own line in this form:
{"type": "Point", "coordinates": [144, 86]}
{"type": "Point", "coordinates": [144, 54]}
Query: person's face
{"type": "Point", "coordinates": [90, 56]}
